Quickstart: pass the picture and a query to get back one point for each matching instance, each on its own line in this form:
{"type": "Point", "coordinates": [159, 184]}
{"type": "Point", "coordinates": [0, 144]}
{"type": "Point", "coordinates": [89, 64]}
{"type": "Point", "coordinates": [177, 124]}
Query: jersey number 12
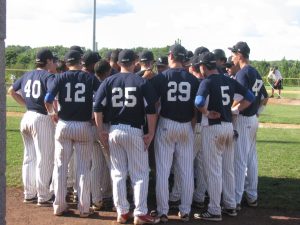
{"type": "Point", "coordinates": [79, 90]}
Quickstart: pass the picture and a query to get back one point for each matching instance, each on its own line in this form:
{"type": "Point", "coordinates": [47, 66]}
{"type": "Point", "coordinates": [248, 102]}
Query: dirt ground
{"type": "Point", "coordinates": [18, 213]}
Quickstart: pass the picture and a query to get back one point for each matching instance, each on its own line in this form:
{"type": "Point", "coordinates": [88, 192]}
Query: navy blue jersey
{"type": "Point", "coordinates": [218, 91]}
{"type": "Point", "coordinates": [177, 90]}
{"type": "Point", "coordinates": [75, 90]}
{"type": "Point", "coordinates": [34, 86]}
{"type": "Point", "coordinates": [251, 79]}
{"type": "Point", "coordinates": [125, 98]}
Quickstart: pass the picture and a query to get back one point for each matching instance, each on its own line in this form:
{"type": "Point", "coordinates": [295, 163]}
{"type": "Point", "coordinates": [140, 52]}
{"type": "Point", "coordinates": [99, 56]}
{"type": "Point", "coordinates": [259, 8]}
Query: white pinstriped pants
{"type": "Point", "coordinates": [100, 173]}
{"type": "Point", "coordinates": [218, 153]}
{"type": "Point", "coordinates": [38, 136]}
{"type": "Point", "coordinates": [70, 136]}
{"type": "Point", "coordinates": [174, 138]}
{"type": "Point", "coordinates": [128, 156]}
{"type": "Point", "coordinates": [245, 158]}
{"type": "Point", "coordinates": [199, 192]}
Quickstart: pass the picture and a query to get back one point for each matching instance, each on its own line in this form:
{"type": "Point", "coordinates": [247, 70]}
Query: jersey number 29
{"type": "Point", "coordinates": [184, 89]}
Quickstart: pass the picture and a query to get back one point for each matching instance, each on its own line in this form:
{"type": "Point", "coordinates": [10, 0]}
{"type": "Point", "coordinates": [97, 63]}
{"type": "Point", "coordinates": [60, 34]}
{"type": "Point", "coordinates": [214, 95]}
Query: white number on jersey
{"type": "Point", "coordinates": [34, 90]}
{"type": "Point", "coordinates": [184, 89]}
{"type": "Point", "coordinates": [257, 86]}
{"type": "Point", "coordinates": [225, 96]}
{"type": "Point", "coordinates": [79, 90]}
{"type": "Point", "coordinates": [117, 94]}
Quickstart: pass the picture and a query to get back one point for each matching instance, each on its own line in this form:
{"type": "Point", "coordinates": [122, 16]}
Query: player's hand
{"type": "Point", "coordinates": [103, 137]}
{"type": "Point", "coordinates": [54, 118]}
{"type": "Point", "coordinates": [148, 74]}
{"type": "Point", "coordinates": [147, 140]}
{"type": "Point", "coordinates": [213, 115]}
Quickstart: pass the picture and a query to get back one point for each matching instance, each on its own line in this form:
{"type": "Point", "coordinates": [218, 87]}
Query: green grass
{"type": "Point", "coordinates": [13, 106]}
{"type": "Point", "coordinates": [14, 153]}
{"type": "Point", "coordinates": [293, 88]}
{"type": "Point", "coordinates": [278, 154]}
{"type": "Point", "coordinates": [279, 171]}
{"type": "Point", "coordinates": [289, 114]}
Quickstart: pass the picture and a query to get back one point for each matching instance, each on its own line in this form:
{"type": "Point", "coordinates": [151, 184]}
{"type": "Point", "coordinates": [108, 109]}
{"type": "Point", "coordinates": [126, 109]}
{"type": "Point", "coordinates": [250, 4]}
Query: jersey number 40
{"type": "Point", "coordinates": [33, 90]}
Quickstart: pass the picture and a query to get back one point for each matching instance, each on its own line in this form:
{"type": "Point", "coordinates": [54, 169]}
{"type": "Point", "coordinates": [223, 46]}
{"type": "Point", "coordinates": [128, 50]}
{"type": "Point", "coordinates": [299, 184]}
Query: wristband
{"type": "Point", "coordinates": [235, 111]}
{"type": "Point", "coordinates": [206, 114]}
{"type": "Point", "coordinates": [52, 113]}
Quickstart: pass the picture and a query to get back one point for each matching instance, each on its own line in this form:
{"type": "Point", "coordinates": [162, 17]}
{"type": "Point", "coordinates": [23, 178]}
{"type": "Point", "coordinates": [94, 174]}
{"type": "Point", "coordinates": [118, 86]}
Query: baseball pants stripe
{"type": "Point", "coordinates": [174, 139]}
{"type": "Point", "coordinates": [70, 136]}
{"type": "Point", "coordinates": [38, 136]}
{"type": "Point", "coordinates": [128, 156]}
{"type": "Point", "coordinates": [245, 158]}
{"type": "Point", "coordinates": [218, 162]}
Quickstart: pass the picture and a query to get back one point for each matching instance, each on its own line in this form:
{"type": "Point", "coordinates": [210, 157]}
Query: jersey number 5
{"type": "Point", "coordinates": [225, 96]}
{"type": "Point", "coordinates": [117, 95]}
{"type": "Point", "coordinates": [79, 90]}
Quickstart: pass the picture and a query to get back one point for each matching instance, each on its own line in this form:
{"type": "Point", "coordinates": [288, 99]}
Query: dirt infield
{"type": "Point", "coordinates": [18, 213]}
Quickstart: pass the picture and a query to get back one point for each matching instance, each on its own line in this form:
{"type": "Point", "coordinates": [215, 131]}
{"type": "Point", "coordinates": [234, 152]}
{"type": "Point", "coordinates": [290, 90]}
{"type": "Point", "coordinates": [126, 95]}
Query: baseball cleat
{"type": "Point", "coordinates": [145, 219]}
{"type": "Point", "coordinates": [207, 216]}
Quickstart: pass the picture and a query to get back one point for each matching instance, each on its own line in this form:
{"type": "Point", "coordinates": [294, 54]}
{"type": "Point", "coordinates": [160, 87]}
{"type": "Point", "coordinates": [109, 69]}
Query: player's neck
{"type": "Point", "coordinates": [243, 63]}
{"type": "Point", "coordinates": [175, 64]}
{"type": "Point", "coordinates": [75, 67]}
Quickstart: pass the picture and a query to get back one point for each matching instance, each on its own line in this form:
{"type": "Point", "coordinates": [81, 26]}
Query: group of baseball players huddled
{"type": "Point", "coordinates": [94, 127]}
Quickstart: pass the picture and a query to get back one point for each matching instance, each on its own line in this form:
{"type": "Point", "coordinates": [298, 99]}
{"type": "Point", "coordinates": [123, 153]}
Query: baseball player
{"type": "Point", "coordinates": [127, 97]}
{"type": "Point", "coordinates": [214, 99]}
{"type": "Point", "coordinates": [146, 61]}
{"type": "Point", "coordinates": [99, 181]}
{"type": "Point", "coordinates": [199, 192]}
{"type": "Point", "coordinates": [246, 124]}
{"type": "Point", "coordinates": [36, 129]}
{"type": "Point", "coordinates": [174, 136]}
{"type": "Point", "coordinates": [73, 130]}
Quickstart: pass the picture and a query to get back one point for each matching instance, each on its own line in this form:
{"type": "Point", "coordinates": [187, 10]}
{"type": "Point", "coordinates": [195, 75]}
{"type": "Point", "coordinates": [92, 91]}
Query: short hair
{"type": "Point", "coordinates": [61, 66]}
{"type": "Point", "coordinates": [102, 66]}
{"type": "Point", "coordinates": [115, 55]}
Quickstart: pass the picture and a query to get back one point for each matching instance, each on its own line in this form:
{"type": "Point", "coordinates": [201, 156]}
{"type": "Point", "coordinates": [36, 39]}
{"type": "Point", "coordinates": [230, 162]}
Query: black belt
{"type": "Point", "coordinates": [134, 126]}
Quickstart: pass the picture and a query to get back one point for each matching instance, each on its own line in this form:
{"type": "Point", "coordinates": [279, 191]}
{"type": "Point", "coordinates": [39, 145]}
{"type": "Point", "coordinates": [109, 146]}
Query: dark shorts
{"type": "Point", "coordinates": [278, 86]}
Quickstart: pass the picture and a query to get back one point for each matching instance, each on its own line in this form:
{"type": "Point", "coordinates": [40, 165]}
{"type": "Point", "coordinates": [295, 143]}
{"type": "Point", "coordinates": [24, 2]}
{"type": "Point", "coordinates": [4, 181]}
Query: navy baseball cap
{"type": "Point", "coordinates": [162, 61]}
{"type": "Point", "coordinates": [207, 58]}
{"type": "Point", "coordinates": [178, 51]}
{"type": "Point", "coordinates": [90, 58]}
{"type": "Point", "coordinates": [77, 48]}
{"type": "Point", "coordinates": [126, 56]}
{"type": "Point", "coordinates": [194, 61]}
{"type": "Point", "coordinates": [229, 62]}
{"type": "Point", "coordinates": [241, 47]}
{"type": "Point", "coordinates": [145, 56]}
{"type": "Point", "coordinates": [72, 56]}
{"type": "Point", "coordinates": [200, 50]}
{"type": "Point", "coordinates": [42, 55]}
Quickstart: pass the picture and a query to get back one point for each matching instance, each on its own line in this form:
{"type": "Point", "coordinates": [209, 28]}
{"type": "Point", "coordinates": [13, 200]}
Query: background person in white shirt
{"type": "Point", "coordinates": [276, 77]}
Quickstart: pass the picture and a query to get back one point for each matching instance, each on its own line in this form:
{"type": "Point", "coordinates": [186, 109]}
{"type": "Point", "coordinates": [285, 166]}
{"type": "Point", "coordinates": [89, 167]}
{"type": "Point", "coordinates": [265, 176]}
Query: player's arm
{"type": "Point", "coordinates": [52, 89]}
{"type": "Point", "coordinates": [194, 119]}
{"type": "Point", "coordinates": [16, 96]}
{"type": "Point", "coordinates": [248, 98]}
{"type": "Point", "coordinates": [201, 99]}
{"type": "Point", "coordinates": [98, 108]}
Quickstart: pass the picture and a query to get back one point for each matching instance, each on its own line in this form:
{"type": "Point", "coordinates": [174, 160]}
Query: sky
{"type": "Point", "coordinates": [270, 27]}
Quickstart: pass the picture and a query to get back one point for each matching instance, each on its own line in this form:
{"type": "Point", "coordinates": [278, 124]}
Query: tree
{"type": "Point", "coordinates": [2, 112]}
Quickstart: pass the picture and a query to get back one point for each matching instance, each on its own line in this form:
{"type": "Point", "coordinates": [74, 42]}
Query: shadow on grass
{"type": "Point", "coordinates": [279, 193]}
{"type": "Point", "coordinates": [278, 142]}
